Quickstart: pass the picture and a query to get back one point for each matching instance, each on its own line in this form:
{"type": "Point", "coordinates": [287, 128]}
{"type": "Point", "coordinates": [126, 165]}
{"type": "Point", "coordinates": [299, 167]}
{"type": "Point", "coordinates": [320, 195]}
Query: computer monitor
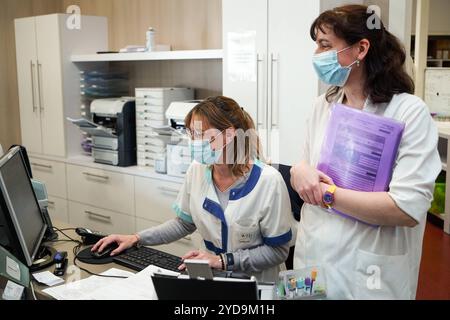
{"type": "Point", "coordinates": [22, 226]}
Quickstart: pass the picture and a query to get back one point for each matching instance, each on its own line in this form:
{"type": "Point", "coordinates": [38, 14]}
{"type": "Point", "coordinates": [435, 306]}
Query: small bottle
{"type": "Point", "coordinates": [150, 36]}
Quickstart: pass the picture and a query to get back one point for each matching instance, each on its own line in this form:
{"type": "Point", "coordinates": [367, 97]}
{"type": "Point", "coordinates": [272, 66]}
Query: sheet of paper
{"type": "Point", "coordinates": [12, 291]}
{"type": "Point", "coordinates": [47, 278]}
{"type": "Point", "coordinates": [242, 56]}
{"type": "Point", "coordinates": [79, 290]}
{"type": "Point", "coordinates": [136, 287]}
{"type": "Point", "coordinates": [12, 268]}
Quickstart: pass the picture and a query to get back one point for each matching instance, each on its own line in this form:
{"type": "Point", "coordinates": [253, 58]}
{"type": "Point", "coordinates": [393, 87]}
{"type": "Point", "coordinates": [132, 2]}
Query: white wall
{"type": "Point", "coordinates": [439, 17]}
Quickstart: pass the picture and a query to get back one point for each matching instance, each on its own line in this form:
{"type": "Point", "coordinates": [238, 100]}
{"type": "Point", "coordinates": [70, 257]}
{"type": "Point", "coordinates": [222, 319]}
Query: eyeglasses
{"type": "Point", "coordinates": [202, 135]}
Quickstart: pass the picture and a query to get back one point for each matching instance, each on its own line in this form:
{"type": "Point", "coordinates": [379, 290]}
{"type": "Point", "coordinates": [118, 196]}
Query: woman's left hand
{"type": "Point", "coordinates": [213, 260]}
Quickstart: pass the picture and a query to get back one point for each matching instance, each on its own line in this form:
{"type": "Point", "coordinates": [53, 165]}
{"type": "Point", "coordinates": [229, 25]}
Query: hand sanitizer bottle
{"type": "Point", "coordinates": [150, 36]}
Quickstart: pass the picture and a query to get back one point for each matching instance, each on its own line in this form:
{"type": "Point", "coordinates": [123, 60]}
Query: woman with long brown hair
{"type": "Point", "coordinates": [238, 204]}
{"type": "Point", "coordinates": [374, 252]}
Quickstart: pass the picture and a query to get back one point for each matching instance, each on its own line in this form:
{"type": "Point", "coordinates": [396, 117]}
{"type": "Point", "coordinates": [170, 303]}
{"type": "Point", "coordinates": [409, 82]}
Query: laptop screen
{"type": "Point", "coordinates": [173, 288]}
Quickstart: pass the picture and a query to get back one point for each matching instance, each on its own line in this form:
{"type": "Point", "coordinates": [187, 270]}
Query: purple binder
{"type": "Point", "coordinates": [359, 149]}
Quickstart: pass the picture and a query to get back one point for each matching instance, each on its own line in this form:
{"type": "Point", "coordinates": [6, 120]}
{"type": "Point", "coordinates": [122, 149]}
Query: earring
{"type": "Point", "coordinates": [358, 63]}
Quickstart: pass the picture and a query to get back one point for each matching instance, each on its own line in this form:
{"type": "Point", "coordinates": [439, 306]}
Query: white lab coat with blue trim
{"type": "Point", "coordinates": [258, 213]}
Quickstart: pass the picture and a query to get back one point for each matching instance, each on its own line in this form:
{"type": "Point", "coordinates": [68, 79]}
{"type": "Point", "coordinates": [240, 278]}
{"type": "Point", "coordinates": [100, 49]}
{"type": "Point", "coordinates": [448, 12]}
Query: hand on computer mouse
{"type": "Point", "coordinates": [106, 252]}
{"type": "Point", "coordinates": [123, 242]}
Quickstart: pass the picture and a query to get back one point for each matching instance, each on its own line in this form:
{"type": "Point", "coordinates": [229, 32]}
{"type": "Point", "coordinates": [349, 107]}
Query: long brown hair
{"type": "Point", "coordinates": [223, 113]}
{"type": "Point", "coordinates": [385, 59]}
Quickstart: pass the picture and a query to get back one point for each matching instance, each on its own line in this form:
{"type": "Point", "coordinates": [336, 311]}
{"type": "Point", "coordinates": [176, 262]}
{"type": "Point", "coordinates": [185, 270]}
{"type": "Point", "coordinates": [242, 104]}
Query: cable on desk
{"type": "Point", "coordinates": [76, 250]}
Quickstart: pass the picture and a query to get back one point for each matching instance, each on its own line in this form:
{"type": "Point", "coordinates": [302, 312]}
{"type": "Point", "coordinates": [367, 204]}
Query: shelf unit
{"type": "Point", "coordinates": [444, 151]}
{"type": "Point", "coordinates": [213, 54]}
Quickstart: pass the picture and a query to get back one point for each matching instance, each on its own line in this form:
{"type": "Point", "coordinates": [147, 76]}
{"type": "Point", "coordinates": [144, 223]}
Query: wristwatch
{"type": "Point", "coordinates": [229, 261]}
{"type": "Point", "coordinates": [328, 196]}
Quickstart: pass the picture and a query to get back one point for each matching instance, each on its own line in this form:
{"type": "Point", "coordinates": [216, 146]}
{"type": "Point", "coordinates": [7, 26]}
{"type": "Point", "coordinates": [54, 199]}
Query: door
{"type": "Point", "coordinates": [245, 57]}
{"type": "Point", "coordinates": [26, 55]}
{"type": "Point", "coordinates": [50, 85]}
{"type": "Point", "coordinates": [292, 82]}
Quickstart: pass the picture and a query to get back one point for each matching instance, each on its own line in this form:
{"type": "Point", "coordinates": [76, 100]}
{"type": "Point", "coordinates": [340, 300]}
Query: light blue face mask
{"type": "Point", "coordinates": [329, 70]}
{"type": "Point", "coordinates": [202, 152]}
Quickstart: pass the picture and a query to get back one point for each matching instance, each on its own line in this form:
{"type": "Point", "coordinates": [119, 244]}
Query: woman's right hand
{"type": "Point", "coordinates": [306, 182]}
{"type": "Point", "coordinates": [124, 242]}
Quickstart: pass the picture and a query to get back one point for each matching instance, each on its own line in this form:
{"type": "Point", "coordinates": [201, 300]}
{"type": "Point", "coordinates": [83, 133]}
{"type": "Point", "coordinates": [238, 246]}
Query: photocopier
{"type": "Point", "coordinates": [113, 130]}
{"type": "Point", "coordinates": [115, 141]}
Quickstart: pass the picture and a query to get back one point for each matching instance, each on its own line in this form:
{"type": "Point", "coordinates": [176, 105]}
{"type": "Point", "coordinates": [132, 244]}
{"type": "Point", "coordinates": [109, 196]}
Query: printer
{"type": "Point", "coordinates": [178, 152]}
{"type": "Point", "coordinates": [114, 137]}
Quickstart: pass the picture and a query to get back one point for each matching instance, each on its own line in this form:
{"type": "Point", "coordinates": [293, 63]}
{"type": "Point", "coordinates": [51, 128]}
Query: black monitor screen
{"type": "Point", "coordinates": [20, 207]}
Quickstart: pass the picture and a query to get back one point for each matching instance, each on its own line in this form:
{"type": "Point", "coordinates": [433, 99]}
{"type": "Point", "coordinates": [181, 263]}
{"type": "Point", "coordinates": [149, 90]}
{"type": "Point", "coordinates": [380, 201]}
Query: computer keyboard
{"type": "Point", "coordinates": [140, 258]}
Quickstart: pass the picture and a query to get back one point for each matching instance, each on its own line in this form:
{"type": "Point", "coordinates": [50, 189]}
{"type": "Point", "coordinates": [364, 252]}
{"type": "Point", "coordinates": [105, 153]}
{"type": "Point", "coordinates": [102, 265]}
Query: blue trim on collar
{"type": "Point", "coordinates": [238, 193]}
{"type": "Point", "coordinates": [211, 247]}
{"type": "Point", "coordinates": [279, 240]}
{"type": "Point", "coordinates": [216, 210]}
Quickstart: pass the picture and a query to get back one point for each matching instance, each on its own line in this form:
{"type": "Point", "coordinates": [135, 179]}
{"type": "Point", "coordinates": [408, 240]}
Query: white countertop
{"type": "Point", "coordinates": [87, 161]}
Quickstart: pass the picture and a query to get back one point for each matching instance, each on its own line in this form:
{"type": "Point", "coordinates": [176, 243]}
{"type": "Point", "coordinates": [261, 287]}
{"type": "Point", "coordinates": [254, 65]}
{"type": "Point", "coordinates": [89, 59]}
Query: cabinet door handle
{"type": "Point", "coordinates": [97, 215]}
{"type": "Point", "coordinates": [95, 176]}
{"type": "Point", "coordinates": [39, 76]}
{"type": "Point", "coordinates": [273, 97]}
{"type": "Point", "coordinates": [34, 164]}
{"type": "Point", "coordinates": [33, 89]}
{"type": "Point", "coordinates": [170, 190]}
{"type": "Point", "coordinates": [51, 203]}
{"type": "Point", "coordinates": [259, 60]}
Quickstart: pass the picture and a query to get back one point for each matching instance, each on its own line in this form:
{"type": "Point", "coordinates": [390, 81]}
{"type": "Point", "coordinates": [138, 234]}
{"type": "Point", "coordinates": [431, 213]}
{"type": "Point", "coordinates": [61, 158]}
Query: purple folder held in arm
{"type": "Point", "coordinates": [359, 150]}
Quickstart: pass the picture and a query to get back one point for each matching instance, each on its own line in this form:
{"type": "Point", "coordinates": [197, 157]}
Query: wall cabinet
{"type": "Point", "coordinates": [47, 79]}
{"type": "Point", "coordinates": [280, 85]}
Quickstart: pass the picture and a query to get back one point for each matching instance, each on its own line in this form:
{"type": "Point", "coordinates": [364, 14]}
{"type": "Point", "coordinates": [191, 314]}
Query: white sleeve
{"type": "Point", "coordinates": [182, 203]}
{"type": "Point", "coordinates": [417, 166]}
{"type": "Point", "coordinates": [277, 225]}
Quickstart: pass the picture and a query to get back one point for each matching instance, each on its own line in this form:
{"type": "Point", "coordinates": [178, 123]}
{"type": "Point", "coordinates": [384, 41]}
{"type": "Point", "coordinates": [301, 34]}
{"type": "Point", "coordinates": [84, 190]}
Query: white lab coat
{"type": "Point", "coordinates": [257, 213]}
{"type": "Point", "coordinates": [361, 261]}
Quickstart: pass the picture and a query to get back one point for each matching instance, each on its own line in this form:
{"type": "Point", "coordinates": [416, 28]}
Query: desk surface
{"type": "Point", "coordinates": [68, 246]}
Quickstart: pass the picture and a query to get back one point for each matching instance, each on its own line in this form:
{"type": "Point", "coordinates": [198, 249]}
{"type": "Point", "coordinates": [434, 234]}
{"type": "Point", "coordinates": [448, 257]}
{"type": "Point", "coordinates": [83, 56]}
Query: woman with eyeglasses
{"type": "Point", "coordinates": [374, 252]}
{"type": "Point", "coordinates": [238, 204]}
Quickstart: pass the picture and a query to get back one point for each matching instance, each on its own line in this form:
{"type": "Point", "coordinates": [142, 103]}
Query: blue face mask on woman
{"type": "Point", "coordinates": [202, 152]}
{"type": "Point", "coordinates": [329, 69]}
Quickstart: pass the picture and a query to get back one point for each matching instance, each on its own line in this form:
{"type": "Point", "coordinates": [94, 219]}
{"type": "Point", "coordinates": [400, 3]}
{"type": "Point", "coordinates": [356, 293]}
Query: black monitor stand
{"type": "Point", "coordinates": [44, 258]}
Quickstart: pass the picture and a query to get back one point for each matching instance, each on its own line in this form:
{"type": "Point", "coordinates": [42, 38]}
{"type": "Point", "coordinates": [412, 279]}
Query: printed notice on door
{"type": "Point", "coordinates": [242, 56]}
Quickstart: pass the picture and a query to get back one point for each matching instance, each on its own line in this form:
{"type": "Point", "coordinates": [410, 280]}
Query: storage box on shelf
{"type": "Point", "coordinates": [151, 105]}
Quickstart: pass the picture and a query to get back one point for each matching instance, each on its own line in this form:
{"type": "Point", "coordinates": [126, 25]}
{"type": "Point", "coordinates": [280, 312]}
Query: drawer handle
{"type": "Point", "coordinates": [165, 189]}
{"type": "Point", "coordinates": [51, 203]}
{"type": "Point", "coordinates": [95, 176]}
{"type": "Point", "coordinates": [97, 215]}
{"type": "Point", "coordinates": [41, 165]}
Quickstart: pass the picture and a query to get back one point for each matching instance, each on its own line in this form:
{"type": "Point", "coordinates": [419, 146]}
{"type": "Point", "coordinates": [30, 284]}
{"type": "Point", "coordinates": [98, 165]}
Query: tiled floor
{"type": "Point", "coordinates": [434, 277]}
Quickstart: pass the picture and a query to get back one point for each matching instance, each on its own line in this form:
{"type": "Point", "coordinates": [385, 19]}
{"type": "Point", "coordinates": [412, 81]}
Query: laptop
{"type": "Point", "coordinates": [184, 288]}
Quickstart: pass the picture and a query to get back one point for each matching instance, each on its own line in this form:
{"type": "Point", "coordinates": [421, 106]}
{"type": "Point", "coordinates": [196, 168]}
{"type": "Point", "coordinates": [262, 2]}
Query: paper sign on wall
{"type": "Point", "coordinates": [242, 56]}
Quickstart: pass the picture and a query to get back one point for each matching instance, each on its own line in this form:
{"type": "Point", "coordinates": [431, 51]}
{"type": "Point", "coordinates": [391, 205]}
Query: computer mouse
{"type": "Point", "coordinates": [106, 251]}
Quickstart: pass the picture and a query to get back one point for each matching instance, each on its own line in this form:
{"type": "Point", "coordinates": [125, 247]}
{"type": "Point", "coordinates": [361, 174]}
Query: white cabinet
{"type": "Point", "coordinates": [101, 188]}
{"type": "Point", "coordinates": [280, 85]}
{"type": "Point", "coordinates": [57, 208]}
{"type": "Point", "coordinates": [47, 80]}
{"type": "Point", "coordinates": [154, 199]}
{"type": "Point", "coordinates": [52, 173]}
{"type": "Point", "coordinates": [102, 220]}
